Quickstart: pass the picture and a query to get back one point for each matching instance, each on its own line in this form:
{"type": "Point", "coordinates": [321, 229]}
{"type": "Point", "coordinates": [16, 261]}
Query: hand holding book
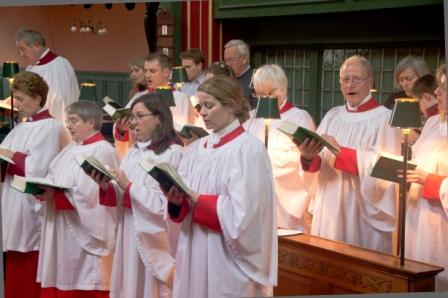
{"type": "Point", "coordinates": [414, 176]}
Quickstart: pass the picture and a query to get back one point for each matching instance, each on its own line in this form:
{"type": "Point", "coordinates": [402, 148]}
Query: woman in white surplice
{"type": "Point", "coordinates": [146, 241]}
{"type": "Point", "coordinates": [292, 184]}
{"type": "Point", "coordinates": [32, 145]}
{"type": "Point", "coordinates": [228, 241]}
{"type": "Point", "coordinates": [427, 208]}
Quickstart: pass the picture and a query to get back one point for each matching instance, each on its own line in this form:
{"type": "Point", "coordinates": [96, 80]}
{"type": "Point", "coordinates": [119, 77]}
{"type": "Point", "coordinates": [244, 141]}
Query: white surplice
{"type": "Point", "coordinates": [427, 220]}
{"type": "Point", "coordinates": [22, 213]}
{"type": "Point", "coordinates": [62, 82]}
{"type": "Point", "coordinates": [292, 184]}
{"type": "Point", "coordinates": [242, 260]}
{"type": "Point", "coordinates": [77, 245]}
{"type": "Point", "coordinates": [359, 210]}
{"type": "Point", "coordinates": [146, 240]}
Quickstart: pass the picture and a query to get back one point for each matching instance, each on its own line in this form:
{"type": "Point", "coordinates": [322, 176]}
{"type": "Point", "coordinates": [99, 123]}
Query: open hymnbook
{"type": "Point", "coordinates": [300, 133]}
{"type": "Point", "coordinates": [32, 185]}
{"type": "Point", "coordinates": [187, 130]}
{"type": "Point", "coordinates": [90, 163]}
{"type": "Point", "coordinates": [386, 166]}
{"type": "Point", "coordinates": [115, 110]}
{"type": "Point", "coordinates": [166, 175]}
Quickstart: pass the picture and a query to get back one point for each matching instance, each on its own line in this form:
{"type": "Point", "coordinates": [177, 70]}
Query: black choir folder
{"type": "Point", "coordinates": [386, 166]}
{"type": "Point", "coordinates": [166, 175]}
{"type": "Point", "coordinates": [90, 163]}
{"type": "Point", "coordinates": [300, 133]}
{"type": "Point", "coordinates": [115, 110]}
{"type": "Point", "coordinates": [32, 186]}
{"type": "Point", "coordinates": [187, 130]}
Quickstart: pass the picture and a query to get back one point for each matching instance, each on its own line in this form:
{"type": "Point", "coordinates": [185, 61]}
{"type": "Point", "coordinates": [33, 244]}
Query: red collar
{"type": "Point", "coordinates": [45, 114]}
{"type": "Point", "coordinates": [93, 139]}
{"type": "Point", "coordinates": [228, 137]}
{"type": "Point", "coordinates": [50, 56]}
{"type": "Point", "coordinates": [434, 110]}
{"type": "Point", "coordinates": [286, 107]}
{"type": "Point", "coordinates": [367, 106]}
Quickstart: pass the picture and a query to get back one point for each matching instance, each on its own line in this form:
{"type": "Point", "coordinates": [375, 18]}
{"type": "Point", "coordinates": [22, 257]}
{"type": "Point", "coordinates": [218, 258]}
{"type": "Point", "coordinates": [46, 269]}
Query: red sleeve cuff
{"type": "Point", "coordinates": [18, 168]}
{"type": "Point", "coordinates": [108, 197]}
{"type": "Point", "coordinates": [346, 161]}
{"type": "Point", "coordinates": [205, 212]}
{"type": "Point", "coordinates": [61, 202]}
{"type": "Point", "coordinates": [312, 165]}
{"type": "Point", "coordinates": [431, 188]}
{"type": "Point", "coordinates": [127, 197]}
{"type": "Point", "coordinates": [121, 137]}
{"type": "Point", "coordinates": [181, 214]}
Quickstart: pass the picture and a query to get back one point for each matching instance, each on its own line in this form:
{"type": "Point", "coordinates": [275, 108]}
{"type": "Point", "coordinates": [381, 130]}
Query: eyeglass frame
{"type": "Point", "coordinates": [355, 81]}
{"type": "Point", "coordinates": [139, 117]}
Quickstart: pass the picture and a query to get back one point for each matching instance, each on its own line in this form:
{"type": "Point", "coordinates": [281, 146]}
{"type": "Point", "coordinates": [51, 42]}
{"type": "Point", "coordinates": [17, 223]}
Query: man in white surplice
{"type": "Point", "coordinates": [350, 205]}
{"type": "Point", "coordinates": [56, 71]}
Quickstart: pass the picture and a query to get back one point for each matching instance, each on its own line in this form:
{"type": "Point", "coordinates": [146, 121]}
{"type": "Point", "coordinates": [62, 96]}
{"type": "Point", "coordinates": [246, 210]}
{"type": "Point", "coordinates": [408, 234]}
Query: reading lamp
{"type": "Point", "coordinates": [88, 91]}
{"type": "Point", "coordinates": [167, 93]}
{"type": "Point", "coordinates": [10, 68]}
{"type": "Point", "coordinates": [178, 76]}
{"type": "Point", "coordinates": [267, 108]}
{"type": "Point", "coordinates": [405, 115]}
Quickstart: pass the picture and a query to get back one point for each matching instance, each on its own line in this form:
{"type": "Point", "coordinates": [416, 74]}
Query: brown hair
{"type": "Point", "coordinates": [220, 69]}
{"type": "Point", "coordinates": [193, 54]}
{"type": "Point", "coordinates": [425, 84]}
{"type": "Point", "coordinates": [229, 93]}
{"type": "Point", "coordinates": [164, 135]}
{"type": "Point", "coordinates": [164, 60]}
{"type": "Point", "coordinates": [32, 85]}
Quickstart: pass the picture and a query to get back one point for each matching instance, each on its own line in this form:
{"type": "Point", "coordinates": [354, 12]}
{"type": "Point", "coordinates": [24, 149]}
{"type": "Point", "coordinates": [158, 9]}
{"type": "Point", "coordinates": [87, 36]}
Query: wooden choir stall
{"type": "Point", "coordinates": [310, 265]}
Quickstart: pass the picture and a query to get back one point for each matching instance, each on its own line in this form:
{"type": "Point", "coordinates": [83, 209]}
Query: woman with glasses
{"type": "Point", "coordinates": [292, 184]}
{"type": "Point", "coordinates": [78, 233]}
{"type": "Point", "coordinates": [427, 207]}
{"type": "Point", "coordinates": [31, 145]}
{"type": "Point", "coordinates": [228, 241]}
{"type": "Point", "coordinates": [144, 255]}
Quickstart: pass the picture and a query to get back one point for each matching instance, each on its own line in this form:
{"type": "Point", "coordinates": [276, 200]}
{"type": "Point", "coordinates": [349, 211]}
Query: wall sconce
{"type": "Point", "coordinates": [87, 26]}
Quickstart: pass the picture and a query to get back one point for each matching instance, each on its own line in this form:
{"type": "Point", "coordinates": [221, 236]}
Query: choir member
{"type": "Point", "coordinates": [228, 240]}
{"type": "Point", "coordinates": [32, 145]}
{"type": "Point", "coordinates": [78, 234]}
{"type": "Point", "coordinates": [427, 205]}
{"type": "Point", "coordinates": [292, 184]}
{"type": "Point", "coordinates": [349, 204]}
{"type": "Point", "coordinates": [146, 241]}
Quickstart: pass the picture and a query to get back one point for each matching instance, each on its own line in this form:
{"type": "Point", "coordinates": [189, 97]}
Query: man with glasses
{"type": "Point", "coordinates": [193, 61]}
{"type": "Point", "coordinates": [237, 56]}
{"type": "Point", "coordinates": [349, 204]}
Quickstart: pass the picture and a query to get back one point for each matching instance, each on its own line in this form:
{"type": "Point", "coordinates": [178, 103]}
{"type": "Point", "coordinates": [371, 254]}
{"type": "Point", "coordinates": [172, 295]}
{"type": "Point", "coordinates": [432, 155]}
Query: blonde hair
{"type": "Point", "coordinates": [229, 93]}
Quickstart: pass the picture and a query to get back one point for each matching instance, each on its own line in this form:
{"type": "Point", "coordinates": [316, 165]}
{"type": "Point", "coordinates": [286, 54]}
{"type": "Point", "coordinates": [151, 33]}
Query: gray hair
{"type": "Point", "coordinates": [86, 110]}
{"type": "Point", "coordinates": [364, 62]}
{"type": "Point", "coordinates": [29, 37]}
{"type": "Point", "coordinates": [271, 74]}
{"type": "Point", "coordinates": [415, 63]}
{"type": "Point", "coordinates": [241, 46]}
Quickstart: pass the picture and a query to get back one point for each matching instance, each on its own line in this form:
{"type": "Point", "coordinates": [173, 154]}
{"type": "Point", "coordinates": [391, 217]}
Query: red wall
{"type": "Point", "coordinates": [87, 52]}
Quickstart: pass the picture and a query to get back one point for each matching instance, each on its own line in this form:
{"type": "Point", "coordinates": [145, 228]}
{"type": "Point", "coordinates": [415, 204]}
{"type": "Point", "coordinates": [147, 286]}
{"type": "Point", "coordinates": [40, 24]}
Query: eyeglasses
{"type": "Point", "coordinates": [354, 80]}
{"type": "Point", "coordinates": [231, 60]}
{"type": "Point", "coordinates": [139, 117]}
{"type": "Point", "coordinates": [71, 121]}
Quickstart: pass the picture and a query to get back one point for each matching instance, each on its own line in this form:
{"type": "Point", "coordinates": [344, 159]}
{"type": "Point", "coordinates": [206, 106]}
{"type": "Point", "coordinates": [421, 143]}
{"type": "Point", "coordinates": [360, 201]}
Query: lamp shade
{"type": "Point", "coordinates": [10, 68]}
{"type": "Point", "coordinates": [167, 93]}
{"type": "Point", "coordinates": [406, 113]}
{"type": "Point", "coordinates": [267, 108]}
{"type": "Point", "coordinates": [178, 75]}
{"type": "Point", "coordinates": [88, 91]}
